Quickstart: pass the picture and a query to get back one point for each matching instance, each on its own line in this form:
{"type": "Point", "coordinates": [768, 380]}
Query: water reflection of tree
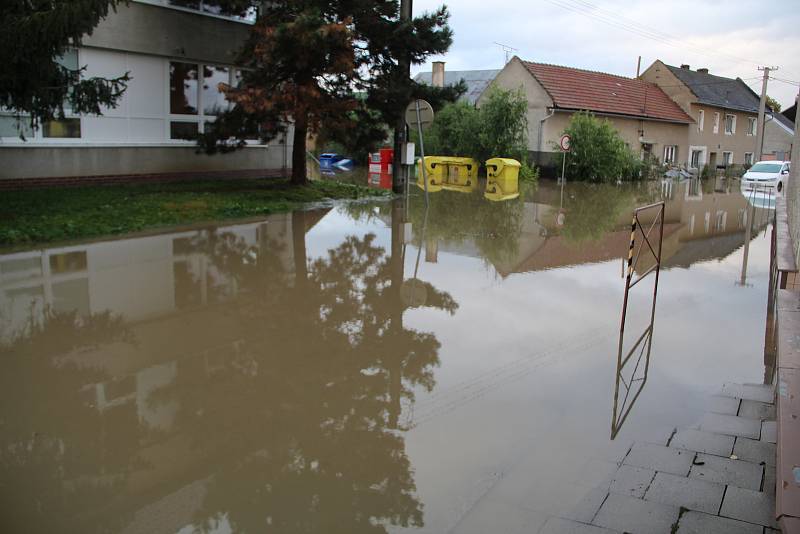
{"type": "Point", "coordinates": [59, 454]}
{"type": "Point", "coordinates": [494, 227]}
{"type": "Point", "coordinates": [592, 210]}
{"type": "Point", "coordinates": [304, 417]}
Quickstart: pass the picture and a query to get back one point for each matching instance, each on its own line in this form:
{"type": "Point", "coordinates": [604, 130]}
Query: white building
{"type": "Point", "coordinates": [177, 52]}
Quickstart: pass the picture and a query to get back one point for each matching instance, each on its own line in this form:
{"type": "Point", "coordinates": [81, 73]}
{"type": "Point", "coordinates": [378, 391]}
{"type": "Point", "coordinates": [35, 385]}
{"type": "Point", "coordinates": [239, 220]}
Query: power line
{"type": "Point", "coordinates": [592, 11]}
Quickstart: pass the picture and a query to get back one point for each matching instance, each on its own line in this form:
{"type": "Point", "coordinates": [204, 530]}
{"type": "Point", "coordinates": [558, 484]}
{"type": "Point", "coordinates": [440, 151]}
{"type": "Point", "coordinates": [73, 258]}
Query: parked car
{"type": "Point", "coordinates": [767, 174]}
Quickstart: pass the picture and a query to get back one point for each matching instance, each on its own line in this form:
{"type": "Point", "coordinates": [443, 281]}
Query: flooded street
{"type": "Point", "coordinates": [370, 367]}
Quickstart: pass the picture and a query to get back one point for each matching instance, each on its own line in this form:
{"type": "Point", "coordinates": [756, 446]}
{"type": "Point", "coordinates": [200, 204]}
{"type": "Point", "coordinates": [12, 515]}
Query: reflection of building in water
{"type": "Point", "coordinates": [135, 278]}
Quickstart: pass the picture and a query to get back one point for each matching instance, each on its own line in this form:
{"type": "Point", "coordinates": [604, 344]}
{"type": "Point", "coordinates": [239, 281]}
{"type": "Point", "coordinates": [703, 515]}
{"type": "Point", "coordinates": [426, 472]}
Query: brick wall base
{"type": "Point", "coordinates": [10, 184]}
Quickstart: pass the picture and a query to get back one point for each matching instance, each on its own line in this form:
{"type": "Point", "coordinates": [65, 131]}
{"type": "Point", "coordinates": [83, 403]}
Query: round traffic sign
{"type": "Point", "coordinates": [425, 115]}
{"type": "Point", "coordinates": [564, 143]}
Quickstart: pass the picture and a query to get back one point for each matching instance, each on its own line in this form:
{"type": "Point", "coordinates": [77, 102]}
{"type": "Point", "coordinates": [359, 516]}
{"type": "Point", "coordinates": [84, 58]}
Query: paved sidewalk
{"type": "Point", "coordinates": [717, 477]}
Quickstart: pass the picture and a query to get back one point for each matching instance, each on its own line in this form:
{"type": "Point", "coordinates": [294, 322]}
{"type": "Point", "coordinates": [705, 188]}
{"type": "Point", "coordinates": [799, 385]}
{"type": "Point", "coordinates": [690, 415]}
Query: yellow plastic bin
{"type": "Point", "coordinates": [502, 179]}
{"type": "Point", "coordinates": [462, 174]}
{"type": "Point", "coordinates": [436, 171]}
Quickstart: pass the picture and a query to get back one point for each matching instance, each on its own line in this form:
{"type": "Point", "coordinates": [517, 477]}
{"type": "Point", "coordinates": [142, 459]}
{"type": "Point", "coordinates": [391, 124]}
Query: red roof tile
{"type": "Point", "coordinates": [605, 93]}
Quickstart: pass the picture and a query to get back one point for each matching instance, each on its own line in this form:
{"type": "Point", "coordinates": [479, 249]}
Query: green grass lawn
{"type": "Point", "coordinates": [45, 215]}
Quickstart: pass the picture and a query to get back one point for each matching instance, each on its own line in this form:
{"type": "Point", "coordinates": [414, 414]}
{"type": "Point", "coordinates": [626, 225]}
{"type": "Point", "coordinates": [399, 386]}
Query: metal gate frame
{"type": "Point", "coordinates": [645, 340]}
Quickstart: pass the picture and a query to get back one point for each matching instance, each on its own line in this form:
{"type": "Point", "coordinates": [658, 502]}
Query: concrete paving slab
{"type": "Point", "coordinates": [557, 525]}
{"type": "Point", "coordinates": [748, 505]}
{"type": "Point", "coordinates": [757, 410]}
{"type": "Point", "coordinates": [596, 474]}
{"type": "Point", "coordinates": [690, 493]}
{"type": "Point", "coordinates": [585, 510]}
{"type": "Point", "coordinates": [631, 481]}
{"type": "Point", "coordinates": [699, 523]}
{"type": "Point", "coordinates": [724, 405]}
{"type": "Point", "coordinates": [660, 436]}
{"type": "Point", "coordinates": [755, 451]}
{"type": "Point", "coordinates": [613, 451]}
{"type": "Point", "coordinates": [699, 441]}
{"type": "Point", "coordinates": [768, 486]}
{"type": "Point", "coordinates": [769, 431]}
{"type": "Point", "coordinates": [737, 473]}
{"type": "Point", "coordinates": [755, 392]}
{"type": "Point", "coordinates": [730, 425]}
{"type": "Point", "coordinates": [627, 514]}
{"type": "Point", "coordinates": [659, 458]}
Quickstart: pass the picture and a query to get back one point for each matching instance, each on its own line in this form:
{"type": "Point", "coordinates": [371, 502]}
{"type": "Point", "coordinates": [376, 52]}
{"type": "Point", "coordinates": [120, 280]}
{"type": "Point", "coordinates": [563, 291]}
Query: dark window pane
{"type": "Point", "coordinates": [182, 88]}
{"type": "Point", "coordinates": [183, 130]}
{"type": "Point", "coordinates": [189, 4]}
{"type": "Point", "coordinates": [67, 128]}
{"type": "Point", "coordinates": [68, 262]}
{"type": "Point", "coordinates": [214, 100]}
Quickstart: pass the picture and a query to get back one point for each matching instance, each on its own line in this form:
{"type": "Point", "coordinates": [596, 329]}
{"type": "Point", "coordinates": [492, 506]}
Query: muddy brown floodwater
{"type": "Point", "coordinates": [366, 367]}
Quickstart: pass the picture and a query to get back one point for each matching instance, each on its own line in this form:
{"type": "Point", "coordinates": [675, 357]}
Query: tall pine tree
{"type": "Point", "coordinates": [34, 35]}
{"type": "Point", "coordinates": [310, 63]}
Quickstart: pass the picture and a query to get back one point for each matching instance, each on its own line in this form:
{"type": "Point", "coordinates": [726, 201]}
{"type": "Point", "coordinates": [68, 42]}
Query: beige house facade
{"type": "Point", "coordinates": [643, 114]}
{"type": "Point", "coordinates": [725, 114]}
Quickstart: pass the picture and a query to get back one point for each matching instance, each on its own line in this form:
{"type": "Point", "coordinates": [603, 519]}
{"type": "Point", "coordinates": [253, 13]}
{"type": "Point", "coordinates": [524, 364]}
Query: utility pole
{"type": "Point", "coordinates": [399, 171]}
{"type": "Point", "coordinates": [762, 106]}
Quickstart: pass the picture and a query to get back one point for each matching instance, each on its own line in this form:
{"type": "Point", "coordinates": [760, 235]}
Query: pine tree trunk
{"type": "Point", "coordinates": [299, 171]}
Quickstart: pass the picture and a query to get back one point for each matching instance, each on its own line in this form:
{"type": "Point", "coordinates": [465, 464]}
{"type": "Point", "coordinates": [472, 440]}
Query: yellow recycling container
{"type": "Point", "coordinates": [462, 174]}
{"type": "Point", "coordinates": [436, 171]}
{"type": "Point", "coordinates": [502, 179]}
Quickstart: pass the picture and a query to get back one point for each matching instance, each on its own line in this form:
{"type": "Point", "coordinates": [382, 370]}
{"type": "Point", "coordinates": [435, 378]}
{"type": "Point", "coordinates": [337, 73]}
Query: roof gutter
{"type": "Point", "coordinates": [623, 116]}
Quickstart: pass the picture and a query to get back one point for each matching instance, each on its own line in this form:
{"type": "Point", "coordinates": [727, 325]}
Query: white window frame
{"type": "Point", "coordinates": [725, 160]}
{"type": "Point", "coordinates": [701, 119]}
{"type": "Point", "coordinates": [752, 125]}
{"type": "Point", "coordinates": [670, 153]}
{"type": "Point", "coordinates": [167, 5]}
{"type": "Point", "coordinates": [716, 122]}
{"type": "Point", "coordinates": [703, 157]}
{"type": "Point", "coordinates": [200, 117]}
{"type": "Point", "coordinates": [733, 124]}
{"type": "Point", "coordinates": [748, 156]}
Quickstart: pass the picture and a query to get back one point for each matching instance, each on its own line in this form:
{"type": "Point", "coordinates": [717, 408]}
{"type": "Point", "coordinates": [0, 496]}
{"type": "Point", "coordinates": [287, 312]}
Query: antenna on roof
{"type": "Point", "coordinates": [507, 49]}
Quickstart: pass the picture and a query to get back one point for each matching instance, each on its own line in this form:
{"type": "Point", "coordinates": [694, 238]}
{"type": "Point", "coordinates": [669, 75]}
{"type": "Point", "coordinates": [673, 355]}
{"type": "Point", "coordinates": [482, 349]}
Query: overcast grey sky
{"type": "Point", "coordinates": [732, 38]}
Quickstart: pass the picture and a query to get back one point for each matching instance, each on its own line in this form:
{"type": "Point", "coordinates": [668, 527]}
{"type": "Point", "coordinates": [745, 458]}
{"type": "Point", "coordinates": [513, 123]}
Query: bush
{"type": "Point", "coordinates": [497, 129]}
{"type": "Point", "coordinates": [597, 152]}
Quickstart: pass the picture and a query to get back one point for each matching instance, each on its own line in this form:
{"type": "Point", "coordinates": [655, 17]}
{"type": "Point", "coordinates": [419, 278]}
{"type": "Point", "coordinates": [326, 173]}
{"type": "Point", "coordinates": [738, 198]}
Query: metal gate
{"type": "Point", "coordinates": [650, 239]}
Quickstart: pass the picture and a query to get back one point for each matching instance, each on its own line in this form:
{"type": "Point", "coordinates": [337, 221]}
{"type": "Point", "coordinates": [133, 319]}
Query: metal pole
{"type": "Point", "coordinates": [563, 166]}
{"type": "Point", "coordinates": [748, 233]}
{"type": "Point", "coordinates": [400, 171]}
{"type": "Point", "coordinates": [422, 152]}
{"type": "Point", "coordinates": [762, 105]}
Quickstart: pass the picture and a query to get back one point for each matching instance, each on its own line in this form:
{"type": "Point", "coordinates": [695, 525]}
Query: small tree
{"type": "Point", "coordinates": [35, 83]}
{"type": "Point", "coordinates": [773, 104]}
{"type": "Point", "coordinates": [597, 152]}
{"type": "Point", "coordinates": [306, 63]}
{"type": "Point", "coordinates": [504, 125]}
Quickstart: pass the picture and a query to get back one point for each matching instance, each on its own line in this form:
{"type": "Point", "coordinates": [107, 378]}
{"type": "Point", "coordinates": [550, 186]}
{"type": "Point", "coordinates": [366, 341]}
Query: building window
{"type": "Point", "coordinates": [211, 7]}
{"type": "Point", "coordinates": [721, 221]}
{"type": "Point", "coordinates": [697, 159]}
{"type": "Point", "coordinates": [748, 158]}
{"type": "Point", "coordinates": [751, 125]}
{"type": "Point", "coordinates": [730, 124]}
{"type": "Point", "coordinates": [716, 122]}
{"type": "Point", "coordinates": [63, 129]}
{"type": "Point", "coordinates": [670, 153]}
{"type": "Point", "coordinates": [182, 88]}
{"type": "Point", "coordinates": [727, 158]}
{"type": "Point", "coordinates": [195, 98]}
{"type": "Point", "coordinates": [701, 119]}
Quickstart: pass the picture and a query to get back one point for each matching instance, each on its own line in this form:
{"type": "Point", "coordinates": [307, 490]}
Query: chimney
{"type": "Point", "coordinates": [437, 79]}
{"type": "Point", "coordinates": [685, 66]}
{"type": "Point", "coordinates": [703, 71]}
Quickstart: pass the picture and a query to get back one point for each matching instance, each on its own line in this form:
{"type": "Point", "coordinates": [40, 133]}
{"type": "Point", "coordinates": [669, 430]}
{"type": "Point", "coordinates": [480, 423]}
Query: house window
{"type": "Point", "coordinates": [721, 221]}
{"type": "Point", "coordinates": [751, 126]}
{"type": "Point", "coordinates": [701, 119]}
{"type": "Point", "coordinates": [212, 7]}
{"type": "Point", "coordinates": [697, 159]}
{"type": "Point", "coordinates": [195, 98]}
{"type": "Point", "coordinates": [63, 129]}
{"type": "Point", "coordinates": [730, 124]}
{"type": "Point", "coordinates": [670, 153]}
{"type": "Point", "coordinates": [727, 158]}
{"type": "Point", "coordinates": [716, 122]}
{"type": "Point", "coordinates": [748, 158]}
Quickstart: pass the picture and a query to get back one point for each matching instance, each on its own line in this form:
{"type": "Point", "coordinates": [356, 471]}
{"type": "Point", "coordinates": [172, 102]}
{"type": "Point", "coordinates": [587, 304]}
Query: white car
{"type": "Point", "coordinates": [767, 174]}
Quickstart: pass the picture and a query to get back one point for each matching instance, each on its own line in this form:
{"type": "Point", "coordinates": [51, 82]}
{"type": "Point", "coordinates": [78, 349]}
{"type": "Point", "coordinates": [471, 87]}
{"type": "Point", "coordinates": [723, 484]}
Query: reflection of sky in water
{"type": "Point", "coordinates": [521, 409]}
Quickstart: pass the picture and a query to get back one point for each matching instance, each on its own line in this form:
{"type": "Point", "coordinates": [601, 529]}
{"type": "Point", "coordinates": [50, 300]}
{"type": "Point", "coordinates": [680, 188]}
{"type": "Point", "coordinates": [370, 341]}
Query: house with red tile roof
{"type": "Point", "coordinates": [649, 121]}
